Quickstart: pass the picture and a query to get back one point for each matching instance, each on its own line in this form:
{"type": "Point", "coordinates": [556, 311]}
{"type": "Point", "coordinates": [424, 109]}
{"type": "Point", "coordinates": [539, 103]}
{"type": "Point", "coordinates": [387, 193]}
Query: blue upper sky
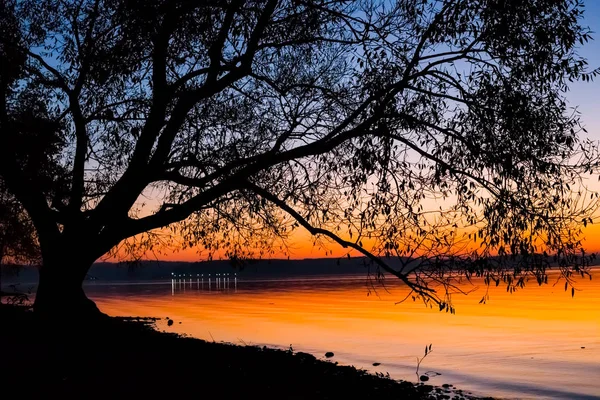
{"type": "Point", "coordinates": [586, 95]}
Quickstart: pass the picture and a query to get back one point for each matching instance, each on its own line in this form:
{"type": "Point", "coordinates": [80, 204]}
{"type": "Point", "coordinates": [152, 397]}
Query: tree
{"type": "Point", "coordinates": [246, 119]}
{"type": "Point", "coordinates": [18, 243]}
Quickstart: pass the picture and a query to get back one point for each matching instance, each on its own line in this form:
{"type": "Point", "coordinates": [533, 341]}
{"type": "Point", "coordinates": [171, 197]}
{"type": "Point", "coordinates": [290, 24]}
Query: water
{"type": "Point", "coordinates": [537, 343]}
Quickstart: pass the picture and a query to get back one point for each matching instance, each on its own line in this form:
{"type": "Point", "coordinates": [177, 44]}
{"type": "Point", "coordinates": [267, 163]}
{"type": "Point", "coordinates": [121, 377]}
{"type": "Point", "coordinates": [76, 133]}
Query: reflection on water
{"type": "Point", "coordinates": [537, 343]}
{"type": "Point", "coordinates": [179, 283]}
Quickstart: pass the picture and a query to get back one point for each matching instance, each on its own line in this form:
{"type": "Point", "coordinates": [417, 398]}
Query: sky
{"type": "Point", "coordinates": [585, 96]}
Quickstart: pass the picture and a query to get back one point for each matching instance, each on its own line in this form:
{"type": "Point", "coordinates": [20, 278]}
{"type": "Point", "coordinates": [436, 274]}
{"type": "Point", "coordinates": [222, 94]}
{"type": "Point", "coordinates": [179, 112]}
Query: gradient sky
{"type": "Point", "coordinates": [583, 95]}
{"type": "Point", "coordinates": [586, 96]}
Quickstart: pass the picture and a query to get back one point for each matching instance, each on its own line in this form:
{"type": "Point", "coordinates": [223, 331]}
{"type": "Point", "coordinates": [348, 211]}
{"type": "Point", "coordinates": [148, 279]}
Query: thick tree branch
{"type": "Point", "coordinates": [215, 50]}
{"type": "Point", "coordinates": [327, 142]}
{"type": "Point", "coordinates": [188, 100]}
{"type": "Point", "coordinates": [182, 80]}
{"type": "Point", "coordinates": [77, 182]}
{"type": "Point", "coordinates": [165, 217]}
{"type": "Point", "coordinates": [126, 190]}
{"type": "Point", "coordinates": [234, 181]}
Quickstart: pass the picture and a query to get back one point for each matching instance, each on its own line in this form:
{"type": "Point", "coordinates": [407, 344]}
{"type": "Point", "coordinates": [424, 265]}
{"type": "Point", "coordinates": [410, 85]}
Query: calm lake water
{"type": "Point", "coordinates": [536, 343]}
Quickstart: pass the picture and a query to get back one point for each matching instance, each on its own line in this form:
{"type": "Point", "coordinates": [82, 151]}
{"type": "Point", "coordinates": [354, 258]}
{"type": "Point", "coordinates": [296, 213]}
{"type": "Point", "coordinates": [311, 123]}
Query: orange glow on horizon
{"type": "Point", "coordinates": [592, 238]}
{"type": "Point", "coordinates": [301, 246]}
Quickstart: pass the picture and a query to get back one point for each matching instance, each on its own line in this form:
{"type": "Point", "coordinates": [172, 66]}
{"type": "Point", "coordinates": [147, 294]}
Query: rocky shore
{"type": "Point", "coordinates": [128, 358]}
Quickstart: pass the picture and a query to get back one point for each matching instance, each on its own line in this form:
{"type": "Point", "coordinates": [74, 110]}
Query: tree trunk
{"type": "Point", "coordinates": [60, 293]}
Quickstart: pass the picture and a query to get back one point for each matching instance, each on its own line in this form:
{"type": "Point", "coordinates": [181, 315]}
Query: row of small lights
{"type": "Point", "coordinates": [198, 275]}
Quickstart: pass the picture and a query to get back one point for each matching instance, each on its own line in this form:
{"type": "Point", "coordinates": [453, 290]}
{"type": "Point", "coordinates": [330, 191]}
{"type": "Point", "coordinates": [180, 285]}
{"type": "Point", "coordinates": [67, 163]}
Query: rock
{"type": "Point", "coordinates": [427, 388]}
{"type": "Point", "coordinates": [329, 354]}
{"type": "Point", "coordinates": [376, 364]}
{"type": "Point", "coordinates": [424, 378]}
{"type": "Point", "coordinates": [170, 322]}
{"type": "Point", "coordinates": [446, 385]}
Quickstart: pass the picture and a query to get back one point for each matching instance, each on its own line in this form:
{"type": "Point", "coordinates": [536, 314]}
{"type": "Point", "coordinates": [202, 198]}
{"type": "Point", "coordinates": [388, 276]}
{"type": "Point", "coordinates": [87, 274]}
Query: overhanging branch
{"type": "Point", "coordinates": [422, 290]}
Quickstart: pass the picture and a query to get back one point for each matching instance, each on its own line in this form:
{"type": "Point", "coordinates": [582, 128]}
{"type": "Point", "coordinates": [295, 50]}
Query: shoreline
{"type": "Point", "coordinates": [123, 357]}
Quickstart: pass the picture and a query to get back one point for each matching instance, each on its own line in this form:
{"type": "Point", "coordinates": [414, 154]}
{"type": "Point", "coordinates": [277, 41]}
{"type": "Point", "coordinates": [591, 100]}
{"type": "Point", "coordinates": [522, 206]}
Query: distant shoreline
{"type": "Point", "coordinates": [156, 270]}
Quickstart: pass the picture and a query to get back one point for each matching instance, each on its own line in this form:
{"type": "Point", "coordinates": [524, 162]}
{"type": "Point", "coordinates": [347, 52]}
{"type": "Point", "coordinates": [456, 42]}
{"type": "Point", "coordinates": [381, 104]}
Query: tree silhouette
{"type": "Point", "coordinates": [389, 128]}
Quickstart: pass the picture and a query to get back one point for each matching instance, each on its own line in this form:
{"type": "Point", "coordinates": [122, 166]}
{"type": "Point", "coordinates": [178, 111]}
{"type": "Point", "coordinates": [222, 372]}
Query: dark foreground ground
{"type": "Point", "coordinates": [121, 358]}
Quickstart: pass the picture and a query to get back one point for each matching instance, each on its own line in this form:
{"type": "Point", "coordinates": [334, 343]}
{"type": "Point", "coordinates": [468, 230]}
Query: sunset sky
{"type": "Point", "coordinates": [584, 96]}
{"type": "Point", "coordinates": [333, 199]}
